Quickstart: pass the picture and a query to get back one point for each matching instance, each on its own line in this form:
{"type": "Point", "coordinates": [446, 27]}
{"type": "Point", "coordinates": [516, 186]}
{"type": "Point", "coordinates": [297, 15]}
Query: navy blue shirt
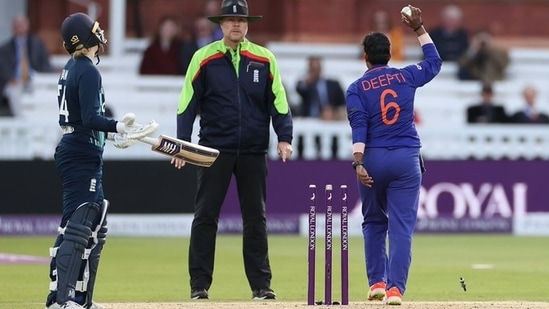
{"type": "Point", "coordinates": [82, 103]}
{"type": "Point", "coordinates": [380, 104]}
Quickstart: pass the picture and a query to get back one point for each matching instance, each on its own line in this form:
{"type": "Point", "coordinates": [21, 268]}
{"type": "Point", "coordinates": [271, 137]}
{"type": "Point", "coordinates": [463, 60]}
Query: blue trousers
{"type": "Point", "coordinates": [81, 172]}
{"type": "Point", "coordinates": [390, 208]}
{"type": "Point", "coordinates": [80, 168]}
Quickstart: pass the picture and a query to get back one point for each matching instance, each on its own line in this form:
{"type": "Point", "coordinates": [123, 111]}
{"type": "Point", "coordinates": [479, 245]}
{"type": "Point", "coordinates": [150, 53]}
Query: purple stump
{"type": "Point", "coordinates": [312, 246]}
{"type": "Point", "coordinates": [344, 247]}
{"type": "Point", "coordinates": [328, 247]}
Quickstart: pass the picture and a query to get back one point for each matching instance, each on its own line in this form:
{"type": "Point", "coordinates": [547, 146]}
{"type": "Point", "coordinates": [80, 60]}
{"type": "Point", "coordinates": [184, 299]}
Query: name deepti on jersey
{"type": "Point", "coordinates": [382, 81]}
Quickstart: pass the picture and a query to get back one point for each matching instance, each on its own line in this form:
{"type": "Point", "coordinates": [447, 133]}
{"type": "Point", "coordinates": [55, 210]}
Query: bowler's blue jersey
{"type": "Point", "coordinates": [380, 104]}
{"type": "Point", "coordinates": [82, 103]}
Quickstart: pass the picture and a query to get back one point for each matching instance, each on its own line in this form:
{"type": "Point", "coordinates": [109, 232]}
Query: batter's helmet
{"type": "Point", "coordinates": [234, 8]}
{"type": "Point", "coordinates": [80, 31]}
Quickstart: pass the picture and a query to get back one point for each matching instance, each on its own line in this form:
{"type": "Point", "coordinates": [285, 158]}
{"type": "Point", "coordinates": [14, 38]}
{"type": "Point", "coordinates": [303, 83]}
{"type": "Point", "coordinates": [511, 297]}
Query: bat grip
{"type": "Point", "coordinates": [149, 140]}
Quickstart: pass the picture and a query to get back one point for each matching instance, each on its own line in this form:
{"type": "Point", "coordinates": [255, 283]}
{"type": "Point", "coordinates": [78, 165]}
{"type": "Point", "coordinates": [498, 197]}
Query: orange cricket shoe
{"type": "Point", "coordinates": [393, 296]}
{"type": "Point", "coordinates": [377, 291]}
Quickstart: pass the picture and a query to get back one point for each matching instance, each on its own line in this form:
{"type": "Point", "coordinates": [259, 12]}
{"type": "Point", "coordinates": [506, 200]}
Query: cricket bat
{"type": "Point", "coordinates": [193, 153]}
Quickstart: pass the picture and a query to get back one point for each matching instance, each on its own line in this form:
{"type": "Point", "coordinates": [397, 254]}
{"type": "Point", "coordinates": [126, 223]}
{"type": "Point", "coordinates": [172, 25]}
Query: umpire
{"type": "Point", "coordinates": [236, 86]}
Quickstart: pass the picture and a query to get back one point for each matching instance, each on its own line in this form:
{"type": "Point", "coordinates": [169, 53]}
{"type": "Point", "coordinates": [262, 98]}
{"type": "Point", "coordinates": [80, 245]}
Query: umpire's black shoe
{"type": "Point", "coordinates": [199, 294]}
{"type": "Point", "coordinates": [264, 294]}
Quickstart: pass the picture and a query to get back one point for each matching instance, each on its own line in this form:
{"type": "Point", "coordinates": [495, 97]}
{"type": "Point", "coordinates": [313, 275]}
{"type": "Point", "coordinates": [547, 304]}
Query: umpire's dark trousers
{"type": "Point", "coordinates": [250, 171]}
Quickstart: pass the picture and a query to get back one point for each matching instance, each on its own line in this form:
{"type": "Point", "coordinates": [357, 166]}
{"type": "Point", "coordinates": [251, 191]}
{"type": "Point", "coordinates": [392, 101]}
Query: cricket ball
{"type": "Point", "coordinates": [406, 11]}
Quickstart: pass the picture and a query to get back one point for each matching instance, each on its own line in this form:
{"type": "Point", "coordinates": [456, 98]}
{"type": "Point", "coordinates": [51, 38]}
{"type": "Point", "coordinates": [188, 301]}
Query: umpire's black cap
{"type": "Point", "coordinates": [234, 8]}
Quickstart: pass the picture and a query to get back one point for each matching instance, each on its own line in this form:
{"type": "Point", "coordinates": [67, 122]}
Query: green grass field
{"type": "Point", "coordinates": [155, 270]}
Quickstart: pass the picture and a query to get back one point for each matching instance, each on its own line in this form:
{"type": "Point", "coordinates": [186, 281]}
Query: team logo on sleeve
{"type": "Point", "coordinates": [93, 185]}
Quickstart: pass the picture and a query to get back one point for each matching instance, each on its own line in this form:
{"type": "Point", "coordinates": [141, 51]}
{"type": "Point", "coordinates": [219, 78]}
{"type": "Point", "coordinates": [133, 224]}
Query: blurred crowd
{"type": "Point", "coordinates": [480, 58]}
{"type": "Point", "coordinates": [21, 56]}
{"type": "Point", "coordinates": [476, 55]}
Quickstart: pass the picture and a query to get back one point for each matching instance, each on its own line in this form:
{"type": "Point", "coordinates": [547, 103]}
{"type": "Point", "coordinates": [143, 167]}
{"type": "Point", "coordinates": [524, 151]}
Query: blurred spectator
{"type": "Point", "coordinates": [202, 35]}
{"type": "Point", "coordinates": [163, 55]}
{"type": "Point", "coordinates": [487, 111]}
{"type": "Point", "coordinates": [484, 60]}
{"type": "Point", "coordinates": [213, 8]}
{"type": "Point", "coordinates": [5, 109]}
{"type": "Point", "coordinates": [529, 114]}
{"type": "Point", "coordinates": [320, 97]}
{"type": "Point", "coordinates": [382, 22]}
{"type": "Point", "coordinates": [450, 38]}
{"type": "Point", "coordinates": [417, 119]}
{"type": "Point", "coordinates": [21, 57]}
{"type": "Point", "coordinates": [109, 112]}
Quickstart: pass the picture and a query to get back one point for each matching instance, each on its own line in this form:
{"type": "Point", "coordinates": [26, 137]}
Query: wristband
{"type": "Point", "coordinates": [420, 25]}
{"type": "Point", "coordinates": [357, 163]}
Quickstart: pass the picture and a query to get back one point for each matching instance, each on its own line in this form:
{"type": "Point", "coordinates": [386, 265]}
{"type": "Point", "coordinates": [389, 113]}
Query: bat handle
{"type": "Point", "coordinates": [149, 140]}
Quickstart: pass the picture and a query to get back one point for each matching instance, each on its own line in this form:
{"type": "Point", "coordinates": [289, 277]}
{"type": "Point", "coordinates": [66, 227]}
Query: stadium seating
{"type": "Point", "coordinates": [441, 106]}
